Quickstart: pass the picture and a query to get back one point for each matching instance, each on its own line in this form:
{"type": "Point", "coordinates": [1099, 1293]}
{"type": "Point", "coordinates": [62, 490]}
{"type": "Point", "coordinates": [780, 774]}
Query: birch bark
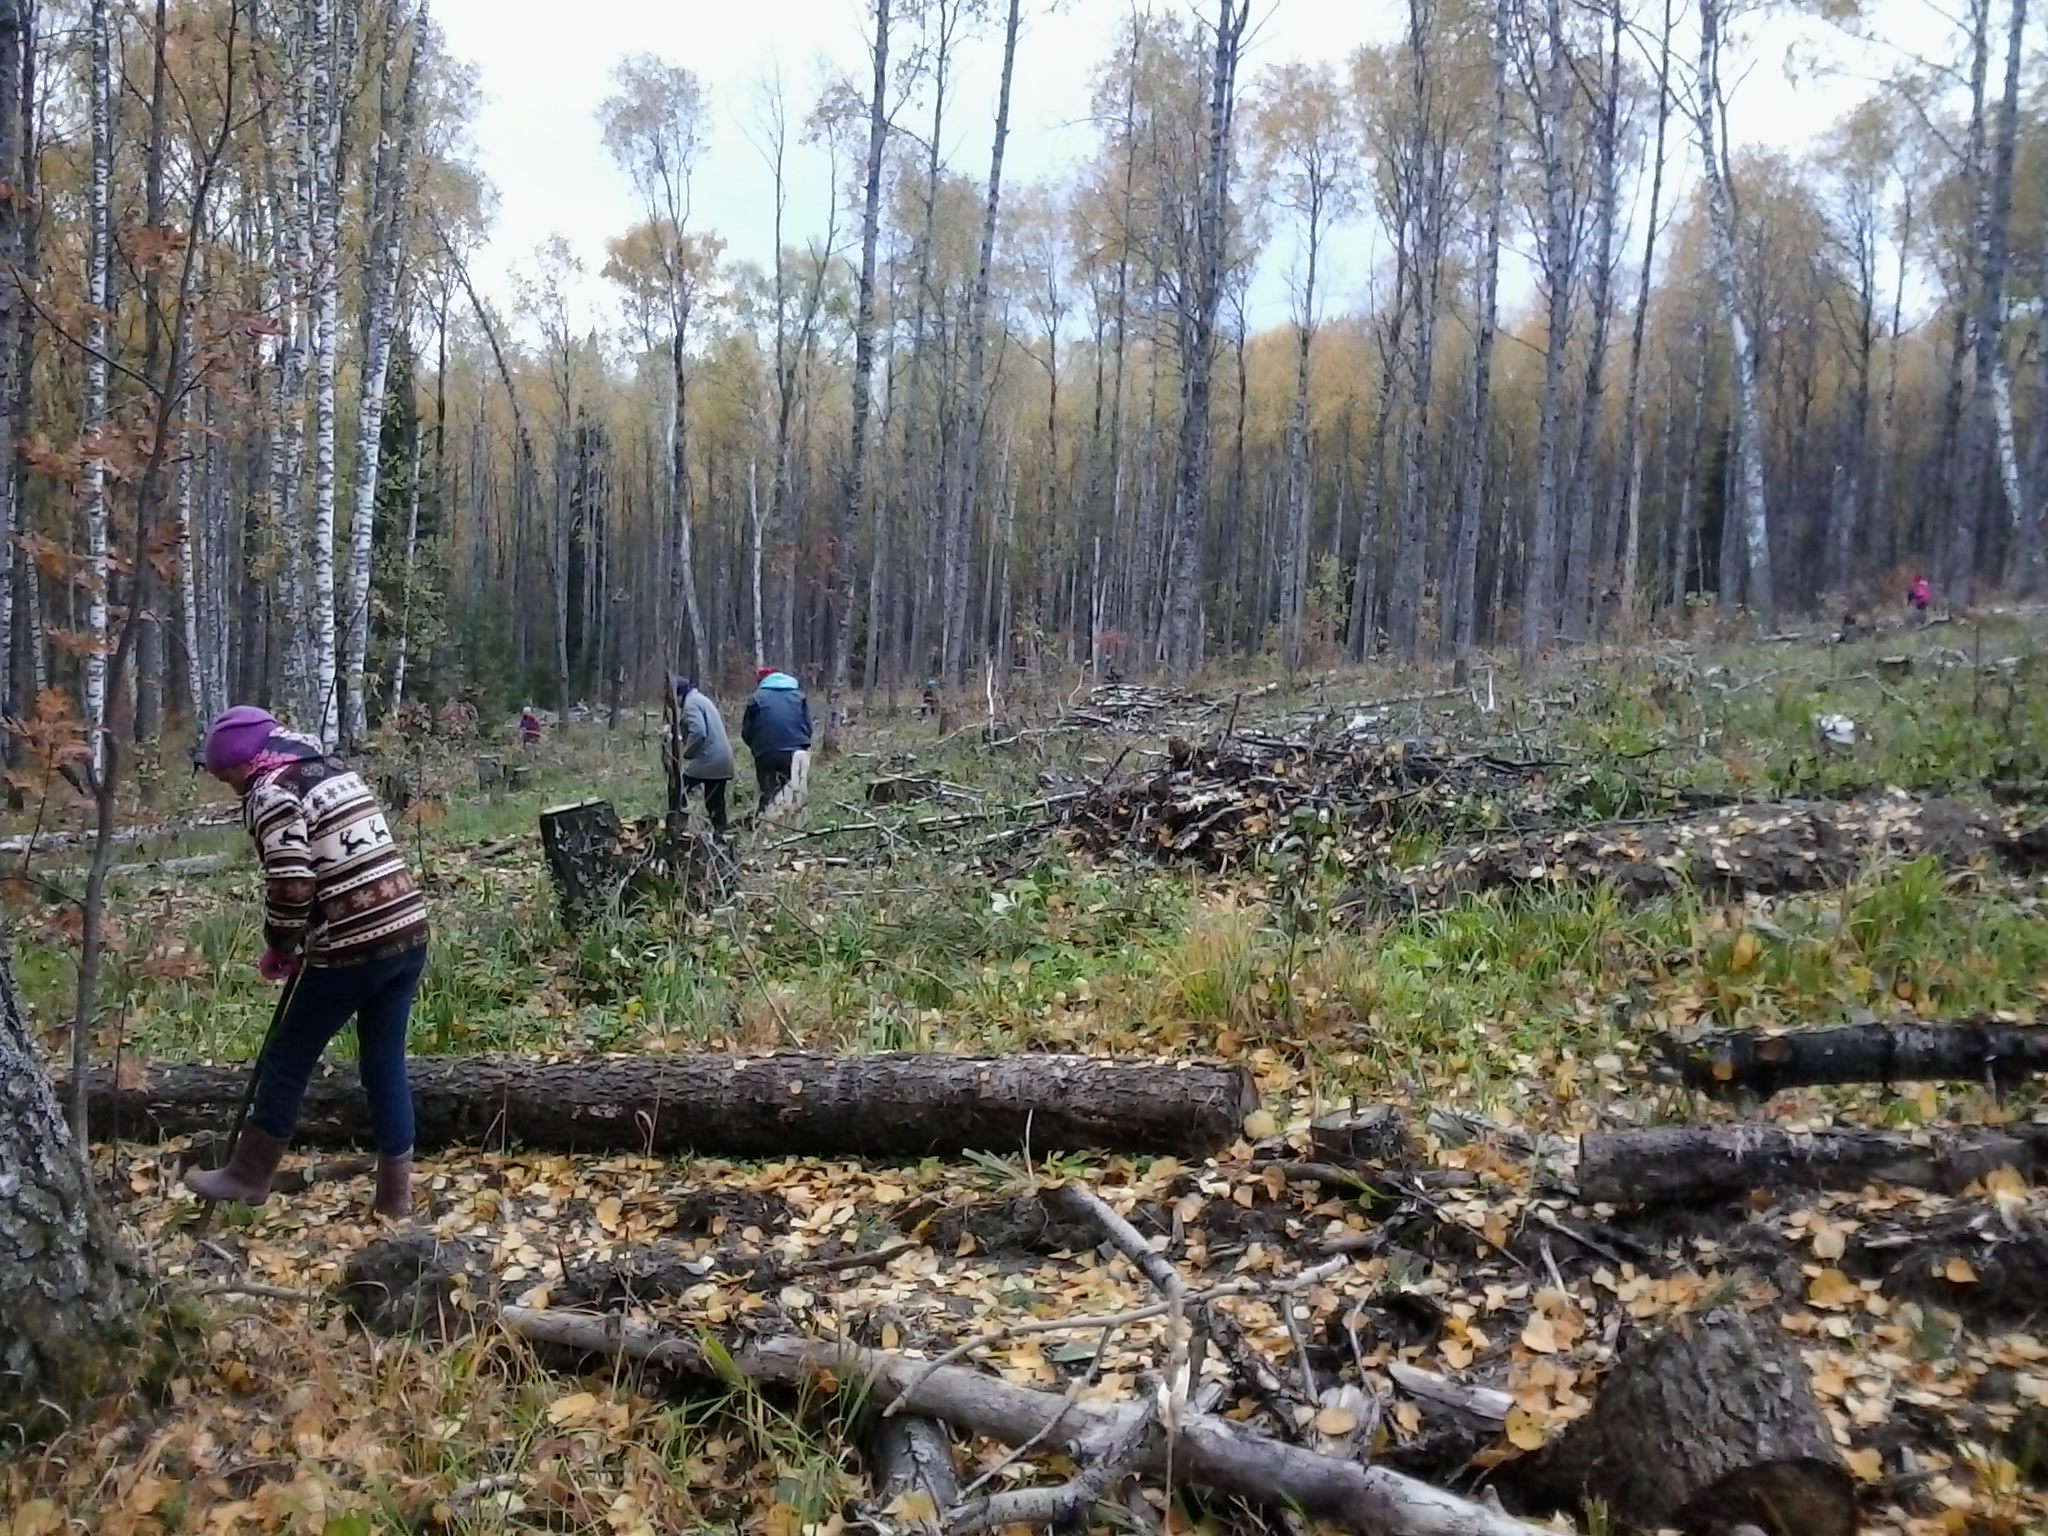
{"type": "Point", "coordinates": [390, 200]}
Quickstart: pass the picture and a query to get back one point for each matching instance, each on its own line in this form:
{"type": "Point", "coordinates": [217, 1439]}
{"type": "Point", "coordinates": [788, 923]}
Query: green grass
{"type": "Point", "coordinates": [902, 948]}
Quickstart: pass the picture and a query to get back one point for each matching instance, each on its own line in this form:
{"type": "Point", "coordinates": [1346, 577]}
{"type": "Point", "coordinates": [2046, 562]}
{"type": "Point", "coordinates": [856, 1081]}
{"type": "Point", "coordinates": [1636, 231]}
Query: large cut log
{"type": "Point", "coordinates": [1710, 1162]}
{"type": "Point", "coordinates": [1214, 1452]}
{"type": "Point", "coordinates": [1709, 1427]}
{"type": "Point", "coordinates": [792, 1103]}
{"type": "Point", "coordinates": [1728, 1062]}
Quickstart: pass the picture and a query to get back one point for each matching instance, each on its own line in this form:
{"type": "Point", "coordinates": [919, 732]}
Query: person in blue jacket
{"type": "Point", "coordinates": [776, 728]}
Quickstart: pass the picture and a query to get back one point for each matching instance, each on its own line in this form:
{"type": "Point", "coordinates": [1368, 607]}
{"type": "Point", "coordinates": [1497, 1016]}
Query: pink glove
{"type": "Point", "coordinates": [276, 967]}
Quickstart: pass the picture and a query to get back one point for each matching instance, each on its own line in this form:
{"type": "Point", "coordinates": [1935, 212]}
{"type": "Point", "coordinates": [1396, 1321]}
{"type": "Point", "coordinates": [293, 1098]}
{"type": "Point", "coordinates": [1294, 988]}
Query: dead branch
{"type": "Point", "coordinates": [1063, 1507]}
{"type": "Point", "coordinates": [1216, 1453]}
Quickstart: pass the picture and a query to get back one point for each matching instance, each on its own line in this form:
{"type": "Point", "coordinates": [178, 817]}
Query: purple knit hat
{"type": "Point", "coordinates": [237, 736]}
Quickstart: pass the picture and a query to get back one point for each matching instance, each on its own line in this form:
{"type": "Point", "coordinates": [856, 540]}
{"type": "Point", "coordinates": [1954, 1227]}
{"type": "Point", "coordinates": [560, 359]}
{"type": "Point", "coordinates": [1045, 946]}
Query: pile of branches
{"type": "Point", "coordinates": [1139, 708]}
{"type": "Point", "coordinates": [1242, 1400]}
{"type": "Point", "coordinates": [1216, 804]}
{"type": "Point", "coordinates": [1763, 850]}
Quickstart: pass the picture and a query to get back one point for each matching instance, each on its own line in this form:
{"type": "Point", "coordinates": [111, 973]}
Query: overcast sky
{"type": "Point", "coordinates": [544, 66]}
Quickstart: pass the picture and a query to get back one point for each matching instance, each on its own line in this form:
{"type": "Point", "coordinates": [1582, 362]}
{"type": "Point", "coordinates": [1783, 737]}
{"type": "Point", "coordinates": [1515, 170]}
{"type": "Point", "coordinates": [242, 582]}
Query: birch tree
{"type": "Point", "coordinates": [1198, 301]}
{"type": "Point", "coordinates": [14, 44]}
{"type": "Point", "coordinates": [655, 126]}
{"type": "Point", "coordinates": [390, 205]}
{"type": "Point", "coordinates": [1306, 159]}
{"type": "Point", "coordinates": [1558, 254]}
{"type": "Point", "coordinates": [967, 480]}
{"type": "Point", "coordinates": [1464, 572]}
{"type": "Point", "coordinates": [853, 483]}
{"type": "Point", "coordinates": [330, 39]}
{"type": "Point", "coordinates": [94, 421]}
{"type": "Point", "coordinates": [1752, 517]}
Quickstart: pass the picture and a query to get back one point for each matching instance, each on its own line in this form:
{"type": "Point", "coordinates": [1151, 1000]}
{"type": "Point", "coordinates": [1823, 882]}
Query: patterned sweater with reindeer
{"type": "Point", "coordinates": [331, 864]}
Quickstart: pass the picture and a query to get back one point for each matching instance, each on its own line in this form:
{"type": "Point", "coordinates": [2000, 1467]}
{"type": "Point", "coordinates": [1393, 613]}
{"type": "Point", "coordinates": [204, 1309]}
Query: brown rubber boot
{"type": "Point", "coordinates": [250, 1168]}
{"type": "Point", "coordinates": [394, 1187]}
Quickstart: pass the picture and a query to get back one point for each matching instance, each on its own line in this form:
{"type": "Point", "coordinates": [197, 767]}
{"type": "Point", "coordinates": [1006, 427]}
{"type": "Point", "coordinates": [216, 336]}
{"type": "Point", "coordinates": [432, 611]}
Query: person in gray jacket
{"type": "Point", "coordinates": [707, 750]}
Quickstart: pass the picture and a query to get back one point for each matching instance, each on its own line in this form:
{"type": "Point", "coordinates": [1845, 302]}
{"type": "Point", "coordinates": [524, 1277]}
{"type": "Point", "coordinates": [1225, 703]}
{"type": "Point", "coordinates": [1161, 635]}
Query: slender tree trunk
{"type": "Point", "coordinates": [1199, 305]}
{"type": "Point", "coordinates": [1584, 502]}
{"type": "Point", "coordinates": [14, 44]}
{"type": "Point", "coordinates": [1752, 515]}
{"type": "Point", "coordinates": [967, 477]}
{"type": "Point", "coordinates": [325, 280]}
{"type": "Point", "coordinates": [1426, 219]}
{"type": "Point", "coordinates": [1991, 424]}
{"type": "Point", "coordinates": [1632, 410]}
{"type": "Point", "coordinates": [1539, 625]}
{"type": "Point", "coordinates": [854, 485]}
{"type": "Point", "coordinates": [1685, 532]}
{"type": "Point", "coordinates": [390, 197]}
{"type": "Point", "coordinates": [683, 571]}
{"type": "Point", "coordinates": [94, 424]}
{"type": "Point", "coordinates": [1300, 500]}
{"type": "Point", "coordinates": [1465, 559]}
{"type": "Point", "coordinates": [1363, 635]}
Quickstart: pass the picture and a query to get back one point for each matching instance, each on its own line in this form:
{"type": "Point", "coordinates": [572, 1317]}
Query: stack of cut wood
{"type": "Point", "coordinates": [1217, 804]}
{"type": "Point", "coordinates": [1744, 850]}
{"type": "Point", "coordinates": [1136, 707]}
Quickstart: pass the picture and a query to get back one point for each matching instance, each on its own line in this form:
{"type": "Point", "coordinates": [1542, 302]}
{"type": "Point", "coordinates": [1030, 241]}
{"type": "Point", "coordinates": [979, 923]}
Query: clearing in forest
{"type": "Point", "coordinates": [1355, 1100]}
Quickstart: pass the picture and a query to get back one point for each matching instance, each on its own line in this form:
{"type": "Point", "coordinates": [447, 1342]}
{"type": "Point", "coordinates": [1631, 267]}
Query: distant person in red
{"type": "Point", "coordinates": [529, 729]}
{"type": "Point", "coordinates": [1919, 595]}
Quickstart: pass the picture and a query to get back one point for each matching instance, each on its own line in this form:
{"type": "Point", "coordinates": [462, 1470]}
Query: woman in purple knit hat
{"type": "Point", "coordinates": [338, 901]}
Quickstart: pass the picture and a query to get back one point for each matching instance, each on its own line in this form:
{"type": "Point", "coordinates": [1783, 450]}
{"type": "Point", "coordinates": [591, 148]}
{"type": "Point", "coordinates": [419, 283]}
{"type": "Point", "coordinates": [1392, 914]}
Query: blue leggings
{"type": "Point", "coordinates": [379, 995]}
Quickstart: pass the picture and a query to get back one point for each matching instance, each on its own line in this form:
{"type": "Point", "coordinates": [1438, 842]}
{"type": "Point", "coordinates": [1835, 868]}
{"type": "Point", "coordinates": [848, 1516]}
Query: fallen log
{"type": "Point", "coordinates": [1216, 1453]}
{"type": "Point", "coordinates": [1714, 1162]}
{"type": "Point", "coordinates": [1725, 1063]}
{"type": "Point", "coordinates": [907, 1105]}
{"type": "Point", "coordinates": [36, 842]}
{"type": "Point", "coordinates": [1711, 1426]}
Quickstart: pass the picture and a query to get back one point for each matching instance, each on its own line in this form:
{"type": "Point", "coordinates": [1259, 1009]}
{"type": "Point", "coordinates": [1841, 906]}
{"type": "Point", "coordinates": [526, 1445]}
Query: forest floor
{"type": "Point", "coordinates": [1472, 951]}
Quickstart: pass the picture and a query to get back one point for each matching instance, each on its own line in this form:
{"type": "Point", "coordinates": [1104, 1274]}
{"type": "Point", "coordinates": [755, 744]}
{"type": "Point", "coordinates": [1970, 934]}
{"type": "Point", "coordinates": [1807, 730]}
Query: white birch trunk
{"type": "Point", "coordinates": [1749, 479]}
{"type": "Point", "coordinates": [2008, 441]}
{"type": "Point", "coordinates": [391, 199]}
{"type": "Point", "coordinates": [99, 264]}
{"type": "Point", "coordinates": [191, 562]}
{"type": "Point", "coordinates": [683, 573]}
{"type": "Point", "coordinates": [289, 231]}
{"type": "Point", "coordinates": [324, 280]}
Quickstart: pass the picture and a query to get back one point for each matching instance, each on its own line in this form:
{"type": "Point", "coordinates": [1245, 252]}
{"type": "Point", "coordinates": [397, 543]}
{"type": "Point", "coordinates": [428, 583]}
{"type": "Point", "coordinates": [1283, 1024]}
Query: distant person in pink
{"type": "Point", "coordinates": [1919, 595]}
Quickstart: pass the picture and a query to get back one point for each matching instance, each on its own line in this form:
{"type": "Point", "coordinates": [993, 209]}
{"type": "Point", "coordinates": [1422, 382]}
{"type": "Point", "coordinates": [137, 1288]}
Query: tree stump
{"type": "Point", "coordinates": [581, 843]}
{"type": "Point", "coordinates": [518, 776]}
{"type": "Point", "coordinates": [490, 773]}
{"type": "Point", "coordinates": [394, 789]}
{"type": "Point", "coordinates": [1893, 668]}
{"type": "Point", "coordinates": [1376, 1134]}
{"type": "Point", "coordinates": [1710, 1427]}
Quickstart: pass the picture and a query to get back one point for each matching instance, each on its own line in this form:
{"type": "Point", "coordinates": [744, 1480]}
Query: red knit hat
{"type": "Point", "coordinates": [763, 673]}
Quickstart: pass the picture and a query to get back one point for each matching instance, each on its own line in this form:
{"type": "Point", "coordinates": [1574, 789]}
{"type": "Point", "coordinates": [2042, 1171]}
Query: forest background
{"type": "Point", "coordinates": [271, 438]}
